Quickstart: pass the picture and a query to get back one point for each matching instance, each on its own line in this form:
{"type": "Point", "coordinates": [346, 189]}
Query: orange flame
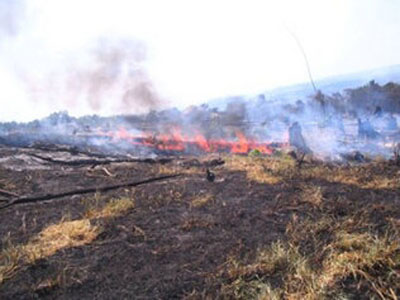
{"type": "Point", "coordinates": [176, 141]}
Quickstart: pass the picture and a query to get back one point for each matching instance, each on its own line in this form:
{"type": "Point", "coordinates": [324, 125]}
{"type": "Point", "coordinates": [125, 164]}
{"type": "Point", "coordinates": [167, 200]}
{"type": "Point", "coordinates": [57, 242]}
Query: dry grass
{"type": "Point", "coordinates": [195, 222]}
{"type": "Point", "coordinates": [113, 208]}
{"type": "Point", "coordinates": [269, 170]}
{"type": "Point", "coordinates": [63, 235]}
{"type": "Point", "coordinates": [10, 259]}
{"type": "Point", "coordinates": [164, 195]}
{"type": "Point", "coordinates": [273, 170]}
{"type": "Point", "coordinates": [168, 169]}
{"type": "Point", "coordinates": [362, 255]}
{"type": "Point", "coordinates": [323, 256]}
{"type": "Point", "coordinates": [247, 281]}
{"type": "Point", "coordinates": [316, 260]}
{"type": "Point", "coordinates": [202, 200]}
{"type": "Point", "coordinates": [312, 194]}
{"type": "Point", "coordinates": [53, 238]}
{"type": "Point", "coordinates": [374, 176]}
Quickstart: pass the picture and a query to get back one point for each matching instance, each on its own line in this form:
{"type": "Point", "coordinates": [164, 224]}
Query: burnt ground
{"type": "Point", "coordinates": [172, 244]}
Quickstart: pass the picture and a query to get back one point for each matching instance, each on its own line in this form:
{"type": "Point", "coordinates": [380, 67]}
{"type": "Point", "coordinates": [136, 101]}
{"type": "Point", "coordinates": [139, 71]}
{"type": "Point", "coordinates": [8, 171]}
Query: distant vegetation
{"type": "Point", "coordinates": [364, 99]}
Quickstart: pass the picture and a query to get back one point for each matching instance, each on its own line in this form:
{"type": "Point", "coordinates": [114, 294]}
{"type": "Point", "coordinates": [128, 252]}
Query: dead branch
{"type": "Point", "coordinates": [108, 172]}
{"type": "Point", "coordinates": [8, 193]}
{"type": "Point", "coordinates": [70, 149]}
{"type": "Point", "coordinates": [74, 150]}
{"type": "Point", "coordinates": [85, 191]}
{"type": "Point", "coordinates": [396, 154]}
{"type": "Point", "coordinates": [95, 162]}
{"type": "Point", "coordinates": [303, 52]}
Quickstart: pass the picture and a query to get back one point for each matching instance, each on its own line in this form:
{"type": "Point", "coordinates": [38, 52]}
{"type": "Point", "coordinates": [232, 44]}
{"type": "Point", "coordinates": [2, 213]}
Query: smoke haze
{"type": "Point", "coordinates": [110, 57]}
{"type": "Point", "coordinates": [102, 74]}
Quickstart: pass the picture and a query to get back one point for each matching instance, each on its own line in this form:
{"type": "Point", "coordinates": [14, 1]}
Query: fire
{"type": "Point", "coordinates": [242, 145]}
{"type": "Point", "coordinates": [176, 141]}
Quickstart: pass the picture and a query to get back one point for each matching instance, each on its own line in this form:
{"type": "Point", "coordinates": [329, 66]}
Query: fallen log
{"type": "Point", "coordinates": [74, 150]}
{"type": "Point", "coordinates": [105, 188]}
{"type": "Point", "coordinates": [95, 162]}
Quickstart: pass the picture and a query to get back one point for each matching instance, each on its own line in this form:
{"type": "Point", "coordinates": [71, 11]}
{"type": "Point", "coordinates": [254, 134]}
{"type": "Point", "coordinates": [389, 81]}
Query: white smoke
{"type": "Point", "coordinates": [94, 73]}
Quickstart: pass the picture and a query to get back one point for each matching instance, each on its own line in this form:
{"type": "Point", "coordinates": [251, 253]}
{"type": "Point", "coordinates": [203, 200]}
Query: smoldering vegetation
{"type": "Point", "coordinates": [361, 121]}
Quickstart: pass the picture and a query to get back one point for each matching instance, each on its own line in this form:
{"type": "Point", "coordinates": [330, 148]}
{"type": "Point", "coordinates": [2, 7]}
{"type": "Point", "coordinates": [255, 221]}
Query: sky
{"type": "Point", "coordinates": [114, 56]}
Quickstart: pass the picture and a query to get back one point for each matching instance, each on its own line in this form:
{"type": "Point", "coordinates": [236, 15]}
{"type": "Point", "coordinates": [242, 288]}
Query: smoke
{"type": "Point", "coordinates": [115, 81]}
{"type": "Point", "coordinates": [109, 77]}
{"type": "Point", "coordinates": [11, 12]}
{"type": "Point", "coordinates": [41, 73]}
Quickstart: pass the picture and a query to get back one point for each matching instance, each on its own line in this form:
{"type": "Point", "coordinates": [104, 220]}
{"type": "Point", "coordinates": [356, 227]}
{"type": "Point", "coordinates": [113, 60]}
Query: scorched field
{"type": "Point", "coordinates": [75, 225]}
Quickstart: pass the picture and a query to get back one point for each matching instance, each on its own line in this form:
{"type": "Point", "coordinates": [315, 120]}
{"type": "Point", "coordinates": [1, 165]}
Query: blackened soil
{"type": "Point", "coordinates": [166, 247]}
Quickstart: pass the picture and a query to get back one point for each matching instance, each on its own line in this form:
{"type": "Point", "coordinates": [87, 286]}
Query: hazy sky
{"type": "Point", "coordinates": [82, 55]}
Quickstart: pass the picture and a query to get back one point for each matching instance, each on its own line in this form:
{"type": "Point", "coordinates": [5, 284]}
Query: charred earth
{"type": "Point", "coordinates": [297, 202]}
{"type": "Point", "coordinates": [263, 227]}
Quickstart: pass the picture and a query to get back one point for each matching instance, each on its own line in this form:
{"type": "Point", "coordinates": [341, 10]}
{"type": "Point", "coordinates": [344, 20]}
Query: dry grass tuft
{"type": "Point", "coordinates": [269, 170]}
{"type": "Point", "coordinates": [55, 237]}
{"type": "Point", "coordinates": [117, 207]}
{"type": "Point", "coordinates": [373, 176]}
{"type": "Point", "coordinates": [167, 169]}
{"type": "Point", "coordinates": [164, 169]}
{"type": "Point", "coordinates": [10, 259]}
{"type": "Point", "coordinates": [112, 208]}
{"type": "Point", "coordinates": [202, 200]}
{"type": "Point", "coordinates": [65, 234]}
{"type": "Point", "coordinates": [362, 255]}
{"type": "Point", "coordinates": [194, 222]}
{"type": "Point", "coordinates": [316, 265]}
{"type": "Point", "coordinates": [312, 194]}
{"type": "Point", "coordinates": [248, 281]}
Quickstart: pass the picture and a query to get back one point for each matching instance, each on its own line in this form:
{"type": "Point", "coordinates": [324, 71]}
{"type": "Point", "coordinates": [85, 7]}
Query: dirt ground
{"type": "Point", "coordinates": [180, 236]}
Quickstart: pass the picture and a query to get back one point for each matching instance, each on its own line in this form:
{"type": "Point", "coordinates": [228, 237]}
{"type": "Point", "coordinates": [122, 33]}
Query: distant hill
{"type": "Point", "coordinates": [327, 85]}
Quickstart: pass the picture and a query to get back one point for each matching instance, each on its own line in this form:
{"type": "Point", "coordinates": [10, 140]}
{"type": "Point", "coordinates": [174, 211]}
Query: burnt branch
{"type": "Point", "coordinates": [95, 162]}
{"type": "Point", "coordinates": [73, 150]}
{"type": "Point", "coordinates": [104, 188]}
